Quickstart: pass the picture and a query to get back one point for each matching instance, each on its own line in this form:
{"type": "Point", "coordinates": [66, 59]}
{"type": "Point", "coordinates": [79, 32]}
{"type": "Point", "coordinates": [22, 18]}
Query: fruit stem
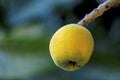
{"type": "Point", "coordinates": [98, 12]}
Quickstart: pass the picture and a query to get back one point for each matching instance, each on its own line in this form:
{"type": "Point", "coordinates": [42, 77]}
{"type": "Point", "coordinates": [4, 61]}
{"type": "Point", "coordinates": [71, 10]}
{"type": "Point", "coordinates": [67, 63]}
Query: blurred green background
{"type": "Point", "coordinates": [26, 27]}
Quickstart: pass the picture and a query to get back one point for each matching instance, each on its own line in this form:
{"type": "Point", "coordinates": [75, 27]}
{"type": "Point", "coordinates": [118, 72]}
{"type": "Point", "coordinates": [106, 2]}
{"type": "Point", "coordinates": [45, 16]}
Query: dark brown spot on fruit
{"type": "Point", "coordinates": [72, 63]}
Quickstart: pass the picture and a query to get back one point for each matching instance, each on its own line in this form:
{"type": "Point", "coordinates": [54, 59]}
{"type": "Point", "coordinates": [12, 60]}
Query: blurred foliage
{"type": "Point", "coordinates": [27, 26]}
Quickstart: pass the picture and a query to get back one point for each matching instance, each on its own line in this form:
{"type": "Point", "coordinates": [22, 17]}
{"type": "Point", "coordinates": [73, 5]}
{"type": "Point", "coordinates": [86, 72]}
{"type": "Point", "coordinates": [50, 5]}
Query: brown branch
{"type": "Point", "coordinates": [98, 12]}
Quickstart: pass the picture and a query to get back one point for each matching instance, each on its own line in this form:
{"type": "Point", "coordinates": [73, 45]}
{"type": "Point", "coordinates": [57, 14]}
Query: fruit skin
{"type": "Point", "coordinates": [71, 47]}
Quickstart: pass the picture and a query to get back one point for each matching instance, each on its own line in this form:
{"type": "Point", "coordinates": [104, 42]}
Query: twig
{"type": "Point", "coordinates": [98, 12]}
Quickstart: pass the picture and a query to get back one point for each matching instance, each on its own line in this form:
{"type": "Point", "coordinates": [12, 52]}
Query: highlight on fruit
{"type": "Point", "coordinates": [71, 47]}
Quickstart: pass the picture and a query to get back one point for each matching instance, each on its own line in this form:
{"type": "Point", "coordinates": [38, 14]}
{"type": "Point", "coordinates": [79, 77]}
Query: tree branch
{"type": "Point", "coordinates": [98, 12]}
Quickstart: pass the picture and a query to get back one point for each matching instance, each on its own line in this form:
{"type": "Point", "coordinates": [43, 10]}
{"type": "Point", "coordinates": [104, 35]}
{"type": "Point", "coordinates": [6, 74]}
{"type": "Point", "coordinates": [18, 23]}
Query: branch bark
{"type": "Point", "coordinates": [98, 12]}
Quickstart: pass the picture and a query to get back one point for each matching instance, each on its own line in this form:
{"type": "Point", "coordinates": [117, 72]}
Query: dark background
{"type": "Point", "coordinates": [26, 27]}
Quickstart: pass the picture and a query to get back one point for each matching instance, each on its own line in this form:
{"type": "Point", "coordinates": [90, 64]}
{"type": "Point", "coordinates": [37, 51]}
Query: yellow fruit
{"type": "Point", "coordinates": [71, 47]}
